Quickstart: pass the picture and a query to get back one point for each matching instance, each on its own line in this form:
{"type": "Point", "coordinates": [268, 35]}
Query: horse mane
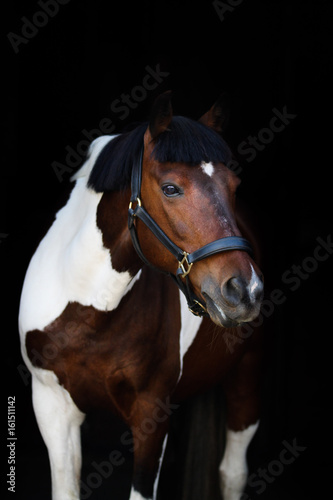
{"type": "Point", "coordinates": [185, 141]}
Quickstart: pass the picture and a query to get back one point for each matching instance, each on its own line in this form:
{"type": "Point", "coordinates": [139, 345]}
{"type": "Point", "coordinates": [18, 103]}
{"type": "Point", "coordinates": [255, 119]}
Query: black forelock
{"type": "Point", "coordinates": [190, 142]}
{"type": "Point", "coordinates": [185, 141]}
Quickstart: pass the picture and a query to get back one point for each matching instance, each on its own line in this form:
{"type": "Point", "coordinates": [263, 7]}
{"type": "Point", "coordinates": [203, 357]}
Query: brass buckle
{"type": "Point", "coordinates": [196, 313]}
{"type": "Point", "coordinates": [131, 203]}
{"type": "Point", "coordinates": [184, 262]}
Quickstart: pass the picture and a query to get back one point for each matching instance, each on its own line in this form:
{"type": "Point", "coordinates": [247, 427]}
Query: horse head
{"type": "Point", "coordinates": [189, 192]}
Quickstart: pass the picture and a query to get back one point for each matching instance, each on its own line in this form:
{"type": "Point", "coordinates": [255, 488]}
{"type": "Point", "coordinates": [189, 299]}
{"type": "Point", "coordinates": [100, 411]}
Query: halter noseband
{"type": "Point", "coordinates": [185, 260]}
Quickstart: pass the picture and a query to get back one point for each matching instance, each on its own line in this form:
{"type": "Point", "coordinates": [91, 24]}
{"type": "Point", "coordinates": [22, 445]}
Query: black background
{"type": "Point", "coordinates": [266, 55]}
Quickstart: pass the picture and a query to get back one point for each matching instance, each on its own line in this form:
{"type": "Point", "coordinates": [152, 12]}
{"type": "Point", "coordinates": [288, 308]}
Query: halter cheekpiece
{"type": "Point", "coordinates": [185, 260]}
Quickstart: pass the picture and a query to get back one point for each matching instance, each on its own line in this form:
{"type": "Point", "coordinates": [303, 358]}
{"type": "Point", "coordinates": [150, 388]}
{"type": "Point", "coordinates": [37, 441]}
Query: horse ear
{"type": "Point", "coordinates": [161, 115]}
{"type": "Point", "coordinates": [218, 116]}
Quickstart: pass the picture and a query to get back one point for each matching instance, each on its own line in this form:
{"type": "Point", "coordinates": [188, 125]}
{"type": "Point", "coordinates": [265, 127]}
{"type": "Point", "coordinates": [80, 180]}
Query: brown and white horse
{"type": "Point", "coordinates": [101, 329]}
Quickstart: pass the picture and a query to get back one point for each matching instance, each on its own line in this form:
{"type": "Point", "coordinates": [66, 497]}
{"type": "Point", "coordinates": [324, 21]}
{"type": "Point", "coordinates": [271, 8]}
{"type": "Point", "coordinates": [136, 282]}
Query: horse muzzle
{"type": "Point", "coordinates": [235, 302]}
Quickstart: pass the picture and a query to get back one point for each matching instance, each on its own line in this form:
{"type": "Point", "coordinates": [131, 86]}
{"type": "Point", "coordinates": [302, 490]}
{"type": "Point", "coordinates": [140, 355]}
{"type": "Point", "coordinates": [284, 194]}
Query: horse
{"type": "Point", "coordinates": [148, 261]}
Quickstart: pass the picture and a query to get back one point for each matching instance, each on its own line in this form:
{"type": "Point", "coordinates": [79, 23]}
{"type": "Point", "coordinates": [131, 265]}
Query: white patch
{"type": "Point", "coordinates": [94, 149]}
{"type": "Point", "coordinates": [190, 325]}
{"type": "Point", "coordinates": [52, 403]}
{"type": "Point", "coordinates": [233, 468]}
{"type": "Point", "coordinates": [207, 168]}
{"type": "Point", "coordinates": [71, 263]}
{"type": "Point", "coordinates": [135, 495]}
{"type": "Point", "coordinates": [159, 467]}
{"type": "Point", "coordinates": [254, 282]}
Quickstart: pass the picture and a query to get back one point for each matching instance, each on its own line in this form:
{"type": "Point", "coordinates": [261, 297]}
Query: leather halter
{"type": "Point", "coordinates": [185, 260]}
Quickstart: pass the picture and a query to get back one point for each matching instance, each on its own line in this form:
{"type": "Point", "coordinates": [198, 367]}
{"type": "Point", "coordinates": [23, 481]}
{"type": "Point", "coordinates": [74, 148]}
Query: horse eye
{"type": "Point", "coordinates": [170, 190]}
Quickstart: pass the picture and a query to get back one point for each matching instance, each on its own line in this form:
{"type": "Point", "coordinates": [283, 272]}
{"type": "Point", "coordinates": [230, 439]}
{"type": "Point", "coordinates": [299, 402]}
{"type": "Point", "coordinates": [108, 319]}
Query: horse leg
{"type": "Point", "coordinates": [243, 399]}
{"type": "Point", "coordinates": [59, 422]}
{"type": "Point", "coordinates": [149, 436]}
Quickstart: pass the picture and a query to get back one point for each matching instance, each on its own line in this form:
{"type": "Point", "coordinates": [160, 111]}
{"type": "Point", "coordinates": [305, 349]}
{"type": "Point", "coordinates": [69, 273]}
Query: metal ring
{"type": "Point", "coordinates": [138, 202]}
{"type": "Point", "coordinates": [197, 313]}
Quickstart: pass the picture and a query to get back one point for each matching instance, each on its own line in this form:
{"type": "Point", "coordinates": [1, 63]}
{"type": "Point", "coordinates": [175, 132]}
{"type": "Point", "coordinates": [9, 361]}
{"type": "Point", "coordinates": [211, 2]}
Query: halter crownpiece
{"type": "Point", "coordinates": [185, 260]}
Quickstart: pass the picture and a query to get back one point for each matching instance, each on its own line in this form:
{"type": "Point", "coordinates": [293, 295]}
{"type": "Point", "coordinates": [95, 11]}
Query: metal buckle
{"type": "Point", "coordinates": [182, 264]}
{"type": "Point", "coordinates": [131, 203]}
{"type": "Point", "coordinates": [198, 313]}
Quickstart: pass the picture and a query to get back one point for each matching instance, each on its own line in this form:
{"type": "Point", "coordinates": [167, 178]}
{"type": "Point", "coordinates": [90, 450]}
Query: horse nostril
{"type": "Point", "coordinates": [233, 291]}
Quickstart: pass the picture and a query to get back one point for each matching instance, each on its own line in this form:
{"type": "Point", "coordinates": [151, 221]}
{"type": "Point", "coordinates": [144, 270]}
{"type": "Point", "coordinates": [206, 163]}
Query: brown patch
{"type": "Point", "coordinates": [112, 221]}
{"type": "Point", "coordinates": [209, 361]}
{"type": "Point", "coordinates": [107, 359]}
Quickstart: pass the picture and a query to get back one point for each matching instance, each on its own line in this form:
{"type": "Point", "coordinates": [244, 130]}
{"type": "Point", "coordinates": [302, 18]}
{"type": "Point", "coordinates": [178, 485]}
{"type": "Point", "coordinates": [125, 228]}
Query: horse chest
{"type": "Point", "coordinates": [100, 355]}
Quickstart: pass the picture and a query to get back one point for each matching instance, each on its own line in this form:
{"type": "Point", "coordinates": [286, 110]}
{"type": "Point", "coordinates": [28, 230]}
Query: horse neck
{"type": "Point", "coordinates": [96, 254]}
